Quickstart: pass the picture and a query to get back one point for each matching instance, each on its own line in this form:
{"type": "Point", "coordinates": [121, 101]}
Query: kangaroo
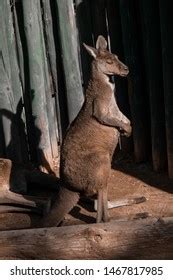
{"type": "Point", "coordinates": [91, 139]}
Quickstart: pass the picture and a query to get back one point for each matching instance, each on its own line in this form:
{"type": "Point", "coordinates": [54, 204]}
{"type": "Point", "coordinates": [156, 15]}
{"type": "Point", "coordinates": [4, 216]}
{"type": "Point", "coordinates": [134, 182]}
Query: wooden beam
{"type": "Point", "coordinates": [36, 55]}
{"type": "Point", "coordinates": [10, 89]}
{"type": "Point", "coordinates": [52, 63]}
{"type": "Point", "coordinates": [141, 239]}
{"type": "Point", "coordinates": [69, 49]}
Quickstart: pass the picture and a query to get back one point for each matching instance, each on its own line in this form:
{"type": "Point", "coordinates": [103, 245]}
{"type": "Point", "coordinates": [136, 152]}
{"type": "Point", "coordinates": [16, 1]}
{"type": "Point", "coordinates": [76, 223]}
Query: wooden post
{"type": "Point", "coordinates": [149, 18]}
{"type": "Point", "coordinates": [35, 48]}
{"type": "Point", "coordinates": [52, 62]}
{"type": "Point", "coordinates": [69, 49]}
{"type": "Point", "coordinates": [50, 95]}
{"type": "Point", "coordinates": [141, 239]}
{"type": "Point", "coordinates": [167, 57]}
{"type": "Point", "coordinates": [11, 90]}
{"type": "Point", "coordinates": [19, 48]}
{"type": "Point", "coordinates": [136, 83]}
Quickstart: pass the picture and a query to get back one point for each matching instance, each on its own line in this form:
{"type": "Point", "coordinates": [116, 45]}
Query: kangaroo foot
{"type": "Point", "coordinates": [122, 202]}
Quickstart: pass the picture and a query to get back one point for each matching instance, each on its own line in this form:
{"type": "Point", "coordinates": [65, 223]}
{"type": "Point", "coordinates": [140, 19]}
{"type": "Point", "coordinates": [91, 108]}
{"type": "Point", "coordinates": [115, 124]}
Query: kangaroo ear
{"type": "Point", "coordinates": [101, 43]}
{"type": "Point", "coordinates": [92, 51]}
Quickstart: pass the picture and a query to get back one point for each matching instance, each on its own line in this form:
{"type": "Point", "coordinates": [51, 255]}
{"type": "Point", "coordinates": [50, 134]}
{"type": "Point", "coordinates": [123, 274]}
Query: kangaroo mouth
{"type": "Point", "coordinates": [124, 73]}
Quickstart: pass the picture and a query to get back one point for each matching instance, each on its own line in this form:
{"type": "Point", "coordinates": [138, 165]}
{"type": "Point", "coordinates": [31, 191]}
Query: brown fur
{"type": "Point", "coordinates": [90, 141]}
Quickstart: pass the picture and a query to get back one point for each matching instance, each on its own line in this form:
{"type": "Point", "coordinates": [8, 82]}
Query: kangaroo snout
{"type": "Point", "coordinates": [124, 70]}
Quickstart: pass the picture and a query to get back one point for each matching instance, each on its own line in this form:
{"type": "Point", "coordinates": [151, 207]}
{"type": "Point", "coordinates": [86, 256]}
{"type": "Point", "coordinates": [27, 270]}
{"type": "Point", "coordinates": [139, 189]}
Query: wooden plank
{"type": "Point", "coordinates": [25, 80]}
{"type": "Point", "coordinates": [19, 48]}
{"type": "Point", "coordinates": [136, 83]}
{"type": "Point", "coordinates": [167, 57]}
{"type": "Point", "coordinates": [6, 106]}
{"type": "Point", "coordinates": [52, 61]}
{"type": "Point", "coordinates": [62, 96]}
{"type": "Point", "coordinates": [32, 25]}
{"type": "Point", "coordinates": [7, 102]}
{"type": "Point", "coordinates": [69, 49]}
{"type": "Point", "coordinates": [18, 135]}
{"type": "Point", "coordinates": [49, 93]}
{"type": "Point", "coordinates": [140, 239]}
{"type": "Point", "coordinates": [149, 19]}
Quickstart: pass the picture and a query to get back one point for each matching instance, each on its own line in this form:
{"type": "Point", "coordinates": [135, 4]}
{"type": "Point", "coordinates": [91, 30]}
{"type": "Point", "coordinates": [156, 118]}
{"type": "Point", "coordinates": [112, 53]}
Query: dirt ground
{"type": "Point", "coordinates": [130, 180]}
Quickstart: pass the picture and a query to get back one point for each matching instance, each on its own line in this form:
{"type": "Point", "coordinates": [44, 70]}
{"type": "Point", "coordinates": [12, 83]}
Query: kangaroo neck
{"type": "Point", "coordinates": [101, 78]}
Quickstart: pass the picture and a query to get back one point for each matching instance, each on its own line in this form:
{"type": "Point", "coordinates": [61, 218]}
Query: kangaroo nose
{"type": "Point", "coordinates": [126, 68]}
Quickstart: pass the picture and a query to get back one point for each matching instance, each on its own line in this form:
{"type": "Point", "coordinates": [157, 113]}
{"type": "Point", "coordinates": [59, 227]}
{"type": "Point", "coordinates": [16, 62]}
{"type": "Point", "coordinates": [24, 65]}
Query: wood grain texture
{"type": "Point", "coordinates": [38, 86]}
{"type": "Point", "coordinates": [141, 239]}
{"type": "Point", "coordinates": [69, 49]}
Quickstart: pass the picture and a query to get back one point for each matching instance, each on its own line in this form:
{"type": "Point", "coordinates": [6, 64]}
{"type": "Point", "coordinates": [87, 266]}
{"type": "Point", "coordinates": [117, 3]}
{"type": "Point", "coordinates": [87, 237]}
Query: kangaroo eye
{"type": "Point", "coordinates": [109, 61]}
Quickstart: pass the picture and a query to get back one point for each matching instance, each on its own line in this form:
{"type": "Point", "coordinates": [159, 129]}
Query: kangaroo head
{"type": "Point", "coordinates": [106, 62]}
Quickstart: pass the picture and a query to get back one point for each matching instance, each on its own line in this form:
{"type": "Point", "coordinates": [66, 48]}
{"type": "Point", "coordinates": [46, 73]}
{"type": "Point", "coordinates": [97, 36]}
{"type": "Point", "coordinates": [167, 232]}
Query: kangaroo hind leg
{"type": "Point", "coordinates": [102, 206]}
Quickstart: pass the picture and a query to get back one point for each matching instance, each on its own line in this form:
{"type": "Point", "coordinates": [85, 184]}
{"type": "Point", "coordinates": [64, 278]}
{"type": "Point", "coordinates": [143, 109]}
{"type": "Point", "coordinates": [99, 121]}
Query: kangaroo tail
{"type": "Point", "coordinates": [64, 202]}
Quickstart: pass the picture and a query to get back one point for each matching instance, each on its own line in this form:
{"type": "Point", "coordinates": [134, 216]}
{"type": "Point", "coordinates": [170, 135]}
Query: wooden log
{"type": "Point", "coordinates": [17, 209]}
{"type": "Point", "coordinates": [141, 239]}
{"type": "Point", "coordinates": [35, 50]}
{"type": "Point", "coordinates": [136, 83]}
{"type": "Point", "coordinates": [149, 19]}
{"type": "Point", "coordinates": [167, 57]}
{"type": "Point", "coordinates": [19, 220]}
{"type": "Point", "coordinates": [69, 50]}
{"type": "Point", "coordinates": [7, 197]}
